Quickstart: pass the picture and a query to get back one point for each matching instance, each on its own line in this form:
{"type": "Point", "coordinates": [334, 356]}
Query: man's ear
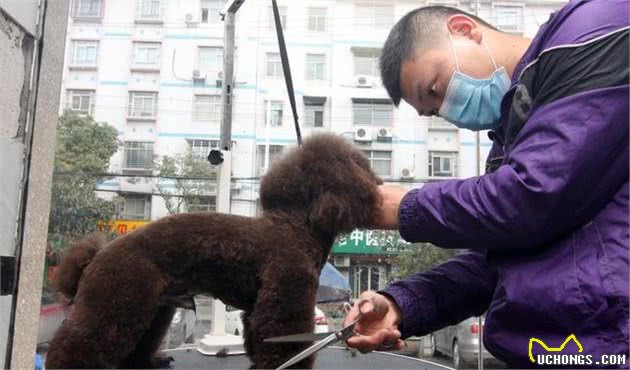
{"type": "Point", "coordinates": [332, 212]}
{"type": "Point", "coordinates": [463, 25]}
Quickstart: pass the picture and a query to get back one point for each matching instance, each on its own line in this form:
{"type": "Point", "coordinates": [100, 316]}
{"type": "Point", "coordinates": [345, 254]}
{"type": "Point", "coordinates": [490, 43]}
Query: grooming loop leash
{"type": "Point", "coordinates": [286, 69]}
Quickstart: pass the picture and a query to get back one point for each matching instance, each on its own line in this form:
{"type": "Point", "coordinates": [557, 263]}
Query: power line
{"type": "Point", "coordinates": [235, 179]}
{"type": "Point", "coordinates": [108, 174]}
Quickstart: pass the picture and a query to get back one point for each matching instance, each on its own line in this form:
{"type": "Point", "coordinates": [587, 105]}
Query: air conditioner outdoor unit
{"type": "Point", "coordinates": [198, 76]}
{"type": "Point", "coordinates": [364, 81]}
{"type": "Point", "coordinates": [341, 261]}
{"type": "Point", "coordinates": [363, 134]}
{"type": "Point", "coordinates": [407, 174]}
{"type": "Point", "coordinates": [384, 134]}
{"type": "Point", "coordinates": [219, 79]}
{"type": "Point", "coordinates": [190, 20]}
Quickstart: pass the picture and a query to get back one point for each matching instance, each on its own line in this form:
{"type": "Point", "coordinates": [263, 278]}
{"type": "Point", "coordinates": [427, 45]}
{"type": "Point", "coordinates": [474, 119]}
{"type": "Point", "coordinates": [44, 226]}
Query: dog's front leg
{"type": "Point", "coordinates": [284, 305]}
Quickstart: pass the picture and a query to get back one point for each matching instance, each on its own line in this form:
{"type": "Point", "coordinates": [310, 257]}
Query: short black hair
{"type": "Point", "coordinates": [419, 28]}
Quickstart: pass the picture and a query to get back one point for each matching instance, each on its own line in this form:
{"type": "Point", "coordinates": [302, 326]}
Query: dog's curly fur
{"type": "Point", "coordinates": [268, 266]}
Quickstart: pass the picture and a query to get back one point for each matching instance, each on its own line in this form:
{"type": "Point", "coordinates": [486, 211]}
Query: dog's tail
{"type": "Point", "coordinates": [78, 256]}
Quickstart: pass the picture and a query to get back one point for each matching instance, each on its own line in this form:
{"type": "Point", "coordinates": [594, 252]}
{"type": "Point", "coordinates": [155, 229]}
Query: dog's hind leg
{"type": "Point", "coordinates": [116, 303]}
{"type": "Point", "coordinates": [71, 349]}
{"type": "Point", "coordinates": [145, 354]}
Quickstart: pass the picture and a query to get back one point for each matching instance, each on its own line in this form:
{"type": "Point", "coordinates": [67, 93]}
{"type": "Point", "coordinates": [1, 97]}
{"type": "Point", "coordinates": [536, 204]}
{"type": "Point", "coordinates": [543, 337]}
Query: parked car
{"type": "Point", "coordinates": [234, 325]}
{"type": "Point", "coordinates": [461, 343]}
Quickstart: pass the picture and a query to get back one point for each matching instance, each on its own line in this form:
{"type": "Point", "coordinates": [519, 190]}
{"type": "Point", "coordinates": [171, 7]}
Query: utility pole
{"type": "Point", "coordinates": [222, 158]}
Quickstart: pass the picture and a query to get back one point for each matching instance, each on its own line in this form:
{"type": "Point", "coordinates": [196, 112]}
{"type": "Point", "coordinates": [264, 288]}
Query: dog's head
{"type": "Point", "coordinates": [328, 180]}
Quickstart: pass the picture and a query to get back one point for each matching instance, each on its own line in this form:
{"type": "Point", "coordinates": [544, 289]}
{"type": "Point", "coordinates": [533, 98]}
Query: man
{"type": "Point", "coordinates": [547, 224]}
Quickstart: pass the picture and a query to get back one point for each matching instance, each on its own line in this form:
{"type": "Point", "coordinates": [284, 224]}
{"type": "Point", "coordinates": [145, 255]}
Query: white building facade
{"type": "Point", "coordinates": [152, 69]}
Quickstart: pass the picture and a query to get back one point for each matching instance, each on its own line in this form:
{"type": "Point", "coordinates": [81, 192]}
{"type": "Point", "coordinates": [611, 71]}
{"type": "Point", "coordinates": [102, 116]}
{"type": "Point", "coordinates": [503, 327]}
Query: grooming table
{"type": "Point", "coordinates": [328, 358]}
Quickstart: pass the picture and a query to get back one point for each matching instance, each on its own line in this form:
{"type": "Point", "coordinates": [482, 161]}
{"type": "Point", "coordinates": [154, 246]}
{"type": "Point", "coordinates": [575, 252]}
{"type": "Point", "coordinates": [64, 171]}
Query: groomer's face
{"type": "Point", "coordinates": [425, 77]}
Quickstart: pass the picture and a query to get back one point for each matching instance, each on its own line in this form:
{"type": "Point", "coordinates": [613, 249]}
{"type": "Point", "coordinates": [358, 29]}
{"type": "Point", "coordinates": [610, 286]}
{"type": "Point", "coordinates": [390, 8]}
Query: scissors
{"type": "Point", "coordinates": [323, 339]}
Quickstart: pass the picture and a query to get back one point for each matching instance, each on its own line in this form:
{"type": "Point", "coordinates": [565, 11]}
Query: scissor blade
{"type": "Point", "coordinates": [303, 337]}
{"type": "Point", "coordinates": [309, 351]}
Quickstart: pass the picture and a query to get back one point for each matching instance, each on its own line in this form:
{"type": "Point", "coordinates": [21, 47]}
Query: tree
{"type": "Point", "coordinates": [84, 148]}
{"type": "Point", "coordinates": [420, 257]}
{"type": "Point", "coordinates": [184, 181]}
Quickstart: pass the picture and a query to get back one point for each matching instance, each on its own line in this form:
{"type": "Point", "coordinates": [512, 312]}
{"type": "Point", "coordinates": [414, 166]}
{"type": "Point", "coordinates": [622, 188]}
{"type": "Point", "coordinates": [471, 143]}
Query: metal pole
{"type": "Point", "coordinates": [225, 168]}
{"type": "Point", "coordinates": [228, 82]}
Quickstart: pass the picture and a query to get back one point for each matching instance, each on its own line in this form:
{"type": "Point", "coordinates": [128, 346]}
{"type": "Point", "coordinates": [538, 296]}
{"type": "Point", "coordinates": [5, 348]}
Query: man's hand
{"type": "Point", "coordinates": [378, 327]}
{"type": "Point", "coordinates": [387, 217]}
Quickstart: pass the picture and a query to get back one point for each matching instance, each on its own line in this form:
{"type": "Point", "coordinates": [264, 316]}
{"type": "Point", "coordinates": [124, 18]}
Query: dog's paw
{"type": "Point", "coordinates": [161, 362]}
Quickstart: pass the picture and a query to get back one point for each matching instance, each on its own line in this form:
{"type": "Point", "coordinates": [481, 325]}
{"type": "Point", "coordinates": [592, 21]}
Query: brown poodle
{"type": "Point", "coordinates": [124, 293]}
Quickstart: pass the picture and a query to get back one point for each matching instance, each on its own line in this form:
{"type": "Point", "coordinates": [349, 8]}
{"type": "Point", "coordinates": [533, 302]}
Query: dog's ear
{"type": "Point", "coordinates": [332, 213]}
{"type": "Point", "coordinates": [351, 205]}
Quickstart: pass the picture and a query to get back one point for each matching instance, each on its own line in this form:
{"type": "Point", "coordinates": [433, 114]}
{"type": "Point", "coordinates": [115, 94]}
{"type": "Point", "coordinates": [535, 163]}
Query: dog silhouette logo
{"type": "Point", "coordinates": [571, 337]}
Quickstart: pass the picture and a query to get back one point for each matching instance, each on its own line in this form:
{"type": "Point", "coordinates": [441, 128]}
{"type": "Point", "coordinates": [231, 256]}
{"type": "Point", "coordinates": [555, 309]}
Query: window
{"type": "Point", "coordinates": [199, 148]}
{"type": "Point", "coordinates": [442, 164]}
{"type": "Point", "coordinates": [207, 108]}
{"type": "Point", "coordinates": [273, 113]}
{"type": "Point", "coordinates": [274, 65]}
{"type": "Point", "coordinates": [201, 204]}
{"type": "Point", "coordinates": [314, 115]}
{"type": "Point", "coordinates": [135, 208]}
{"type": "Point", "coordinates": [210, 11]}
{"type": "Point", "coordinates": [88, 8]}
{"type": "Point", "coordinates": [314, 111]}
{"type": "Point", "coordinates": [315, 66]}
{"type": "Point", "coordinates": [451, 3]}
{"type": "Point", "coordinates": [282, 10]}
{"type": "Point", "coordinates": [210, 62]}
{"type": "Point", "coordinates": [142, 105]}
{"type": "Point", "coordinates": [317, 19]}
{"type": "Point", "coordinates": [138, 157]}
{"type": "Point", "coordinates": [372, 112]}
{"type": "Point", "coordinates": [365, 277]}
{"type": "Point", "coordinates": [263, 161]}
{"type": "Point", "coordinates": [374, 16]}
{"type": "Point", "coordinates": [366, 61]}
{"type": "Point", "coordinates": [80, 101]}
{"type": "Point", "coordinates": [147, 54]}
{"type": "Point", "coordinates": [149, 9]}
{"type": "Point", "coordinates": [85, 53]}
{"type": "Point", "coordinates": [509, 18]}
{"type": "Point", "coordinates": [380, 161]}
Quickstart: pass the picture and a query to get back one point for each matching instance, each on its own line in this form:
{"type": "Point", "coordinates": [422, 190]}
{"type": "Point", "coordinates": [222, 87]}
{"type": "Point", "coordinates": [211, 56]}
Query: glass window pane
{"type": "Point", "coordinates": [207, 108]}
{"type": "Point", "coordinates": [210, 11]}
{"type": "Point", "coordinates": [274, 65]}
{"type": "Point", "coordinates": [318, 119]}
{"type": "Point", "coordinates": [317, 19]}
{"type": "Point", "coordinates": [210, 61]}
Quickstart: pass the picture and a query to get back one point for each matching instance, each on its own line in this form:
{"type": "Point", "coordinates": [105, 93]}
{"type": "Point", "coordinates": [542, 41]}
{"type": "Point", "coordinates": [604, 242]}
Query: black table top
{"type": "Point", "coordinates": [328, 358]}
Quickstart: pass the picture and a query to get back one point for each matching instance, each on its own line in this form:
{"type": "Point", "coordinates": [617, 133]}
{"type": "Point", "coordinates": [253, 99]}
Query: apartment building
{"type": "Point", "coordinates": [152, 69]}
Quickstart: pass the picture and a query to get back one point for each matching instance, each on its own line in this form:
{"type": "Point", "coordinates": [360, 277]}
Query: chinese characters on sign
{"type": "Point", "coordinates": [122, 227]}
{"type": "Point", "coordinates": [369, 242]}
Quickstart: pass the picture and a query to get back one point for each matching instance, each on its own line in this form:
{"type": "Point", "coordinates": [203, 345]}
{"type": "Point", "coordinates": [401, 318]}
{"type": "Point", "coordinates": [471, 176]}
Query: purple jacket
{"type": "Point", "coordinates": [547, 224]}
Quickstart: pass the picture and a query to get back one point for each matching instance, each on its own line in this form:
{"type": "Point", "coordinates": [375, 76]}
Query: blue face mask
{"type": "Point", "coordinates": [475, 104]}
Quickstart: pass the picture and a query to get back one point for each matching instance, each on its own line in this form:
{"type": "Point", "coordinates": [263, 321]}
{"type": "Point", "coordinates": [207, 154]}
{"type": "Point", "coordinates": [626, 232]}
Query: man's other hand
{"type": "Point", "coordinates": [378, 326]}
{"type": "Point", "coordinates": [387, 217]}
